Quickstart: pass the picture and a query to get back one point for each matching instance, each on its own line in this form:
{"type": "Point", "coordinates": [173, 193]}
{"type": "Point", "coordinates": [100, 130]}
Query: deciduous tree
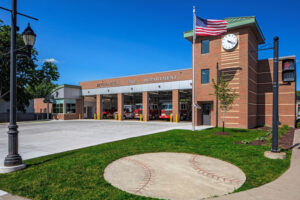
{"type": "Point", "coordinates": [225, 95]}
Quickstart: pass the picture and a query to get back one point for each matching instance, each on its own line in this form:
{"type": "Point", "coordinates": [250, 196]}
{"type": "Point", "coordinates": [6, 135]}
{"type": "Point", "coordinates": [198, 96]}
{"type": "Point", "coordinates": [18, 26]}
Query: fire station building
{"type": "Point", "coordinates": [170, 93]}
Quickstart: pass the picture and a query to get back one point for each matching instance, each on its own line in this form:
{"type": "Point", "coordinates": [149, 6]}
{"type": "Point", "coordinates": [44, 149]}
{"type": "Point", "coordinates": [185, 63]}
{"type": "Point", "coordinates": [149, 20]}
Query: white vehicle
{"type": "Point", "coordinates": [128, 111]}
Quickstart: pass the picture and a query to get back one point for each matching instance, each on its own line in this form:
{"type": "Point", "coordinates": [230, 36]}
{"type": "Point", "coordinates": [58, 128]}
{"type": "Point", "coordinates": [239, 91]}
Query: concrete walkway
{"type": "Point", "coordinates": [286, 187]}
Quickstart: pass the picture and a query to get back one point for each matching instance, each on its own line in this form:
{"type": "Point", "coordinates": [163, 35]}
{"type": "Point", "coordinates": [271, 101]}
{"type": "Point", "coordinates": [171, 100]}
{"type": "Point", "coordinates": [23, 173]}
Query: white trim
{"type": "Point", "coordinates": [163, 86]}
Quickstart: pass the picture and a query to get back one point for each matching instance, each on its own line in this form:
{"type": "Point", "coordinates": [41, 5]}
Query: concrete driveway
{"type": "Point", "coordinates": [43, 138]}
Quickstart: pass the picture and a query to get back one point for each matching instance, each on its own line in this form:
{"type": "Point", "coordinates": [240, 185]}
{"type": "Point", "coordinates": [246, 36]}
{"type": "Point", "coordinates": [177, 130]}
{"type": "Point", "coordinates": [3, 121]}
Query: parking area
{"type": "Point", "coordinates": [44, 138]}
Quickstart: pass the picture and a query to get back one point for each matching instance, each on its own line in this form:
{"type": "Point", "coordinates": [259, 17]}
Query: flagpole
{"type": "Point", "coordinates": [193, 90]}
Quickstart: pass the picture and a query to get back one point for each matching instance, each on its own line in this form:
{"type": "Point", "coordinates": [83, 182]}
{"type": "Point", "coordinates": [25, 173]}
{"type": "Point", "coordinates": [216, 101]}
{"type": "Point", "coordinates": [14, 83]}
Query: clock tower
{"type": "Point", "coordinates": [233, 54]}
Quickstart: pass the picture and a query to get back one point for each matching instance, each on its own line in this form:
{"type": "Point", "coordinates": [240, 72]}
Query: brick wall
{"type": "Point", "coordinates": [287, 95]}
{"type": "Point", "coordinates": [39, 104]}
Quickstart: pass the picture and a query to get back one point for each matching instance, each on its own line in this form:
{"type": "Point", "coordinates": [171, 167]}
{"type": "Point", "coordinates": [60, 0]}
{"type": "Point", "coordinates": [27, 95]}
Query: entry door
{"type": "Point", "coordinates": [206, 114]}
{"type": "Point", "coordinates": [90, 112]}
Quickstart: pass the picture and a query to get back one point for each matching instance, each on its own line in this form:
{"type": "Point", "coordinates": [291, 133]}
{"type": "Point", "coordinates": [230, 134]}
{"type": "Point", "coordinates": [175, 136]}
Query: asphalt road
{"type": "Point", "coordinates": [43, 138]}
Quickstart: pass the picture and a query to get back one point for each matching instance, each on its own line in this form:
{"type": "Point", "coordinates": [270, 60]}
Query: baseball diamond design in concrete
{"type": "Point", "coordinates": [166, 175]}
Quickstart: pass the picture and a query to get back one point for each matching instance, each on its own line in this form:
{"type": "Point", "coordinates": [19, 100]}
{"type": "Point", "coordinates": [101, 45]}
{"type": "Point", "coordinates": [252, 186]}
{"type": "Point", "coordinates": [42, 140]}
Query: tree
{"type": "Point", "coordinates": [29, 74]}
{"type": "Point", "coordinates": [48, 73]}
{"type": "Point", "coordinates": [225, 95]}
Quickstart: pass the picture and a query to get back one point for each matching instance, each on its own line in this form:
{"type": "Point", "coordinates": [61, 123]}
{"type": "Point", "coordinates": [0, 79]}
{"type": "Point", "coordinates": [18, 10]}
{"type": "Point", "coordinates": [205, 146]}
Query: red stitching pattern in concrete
{"type": "Point", "coordinates": [148, 174]}
{"type": "Point", "coordinates": [204, 172]}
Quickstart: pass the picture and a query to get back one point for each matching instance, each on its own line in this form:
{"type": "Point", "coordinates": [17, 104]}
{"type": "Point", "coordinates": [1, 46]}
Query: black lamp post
{"type": "Point", "coordinates": [13, 159]}
{"type": "Point", "coordinates": [29, 39]}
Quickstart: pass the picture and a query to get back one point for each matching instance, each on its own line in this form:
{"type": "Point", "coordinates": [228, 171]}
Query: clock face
{"type": "Point", "coordinates": [229, 41]}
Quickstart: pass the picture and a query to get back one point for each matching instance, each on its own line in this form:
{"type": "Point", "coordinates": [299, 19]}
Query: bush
{"type": "Point", "coordinates": [261, 138]}
{"type": "Point", "coordinates": [298, 123]}
{"type": "Point", "coordinates": [245, 141]}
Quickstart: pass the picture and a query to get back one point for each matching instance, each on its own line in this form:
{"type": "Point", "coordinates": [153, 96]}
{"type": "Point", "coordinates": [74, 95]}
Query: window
{"type": "Point", "coordinates": [204, 46]}
{"type": "Point", "coordinates": [45, 110]}
{"type": "Point", "coordinates": [71, 108]}
{"type": "Point", "coordinates": [204, 76]}
{"type": "Point", "coordinates": [58, 107]}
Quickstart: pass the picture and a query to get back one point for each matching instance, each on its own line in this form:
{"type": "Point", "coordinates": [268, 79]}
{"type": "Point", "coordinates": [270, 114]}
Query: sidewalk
{"type": "Point", "coordinates": [286, 187]}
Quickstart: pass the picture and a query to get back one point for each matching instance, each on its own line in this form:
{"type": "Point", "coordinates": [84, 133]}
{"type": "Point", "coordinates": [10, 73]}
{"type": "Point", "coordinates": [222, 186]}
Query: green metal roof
{"type": "Point", "coordinates": [236, 22]}
{"type": "Point", "coordinates": [67, 86]}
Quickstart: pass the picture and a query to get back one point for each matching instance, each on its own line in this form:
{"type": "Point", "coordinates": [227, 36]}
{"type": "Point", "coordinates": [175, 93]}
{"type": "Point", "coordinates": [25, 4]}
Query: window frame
{"type": "Point", "coordinates": [208, 81]}
{"type": "Point", "coordinates": [208, 48]}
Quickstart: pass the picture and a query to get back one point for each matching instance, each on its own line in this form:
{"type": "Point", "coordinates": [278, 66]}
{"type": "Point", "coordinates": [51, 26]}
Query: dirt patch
{"type": "Point", "coordinates": [255, 142]}
{"type": "Point", "coordinates": [286, 141]}
{"type": "Point", "coordinates": [222, 133]}
{"type": "Point", "coordinates": [266, 129]}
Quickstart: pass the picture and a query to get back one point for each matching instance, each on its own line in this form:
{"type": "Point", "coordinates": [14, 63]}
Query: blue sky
{"type": "Point", "coordinates": [95, 39]}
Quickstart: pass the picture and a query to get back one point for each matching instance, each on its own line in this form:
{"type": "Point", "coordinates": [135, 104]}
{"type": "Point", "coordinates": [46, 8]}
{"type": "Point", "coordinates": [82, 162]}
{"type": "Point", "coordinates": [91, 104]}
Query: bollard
{"type": "Point", "coordinates": [95, 116]}
{"type": "Point", "coordinates": [116, 117]}
{"type": "Point", "coordinates": [145, 119]}
{"type": "Point", "coordinates": [171, 118]}
{"type": "Point", "coordinates": [79, 116]}
{"type": "Point", "coordinates": [176, 118]}
{"type": "Point", "coordinates": [141, 117]}
{"type": "Point", "coordinates": [98, 116]}
{"type": "Point", "coordinates": [120, 117]}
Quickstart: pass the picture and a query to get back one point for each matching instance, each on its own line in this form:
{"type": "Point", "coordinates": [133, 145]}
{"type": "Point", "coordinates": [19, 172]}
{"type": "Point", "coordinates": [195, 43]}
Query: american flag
{"type": "Point", "coordinates": [210, 27]}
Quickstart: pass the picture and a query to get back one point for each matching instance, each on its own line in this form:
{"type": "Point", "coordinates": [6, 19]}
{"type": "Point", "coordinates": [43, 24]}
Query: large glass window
{"type": "Point", "coordinates": [204, 46]}
{"type": "Point", "coordinates": [204, 76]}
{"type": "Point", "coordinates": [71, 108]}
{"type": "Point", "coordinates": [58, 107]}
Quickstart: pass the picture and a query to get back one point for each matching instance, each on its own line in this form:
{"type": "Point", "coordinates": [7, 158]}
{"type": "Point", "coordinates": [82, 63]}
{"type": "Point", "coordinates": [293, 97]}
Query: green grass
{"type": "Point", "coordinates": [78, 174]}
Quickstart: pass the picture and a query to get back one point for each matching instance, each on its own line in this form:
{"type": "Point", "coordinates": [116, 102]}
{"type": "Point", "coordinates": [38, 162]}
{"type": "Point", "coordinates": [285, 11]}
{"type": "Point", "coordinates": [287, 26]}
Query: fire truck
{"type": "Point", "coordinates": [166, 110]}
{"type": "Point", "coordinates": [153, 111]}
{"type": "Point", "coordinates": [185, 110]}
{"type": "Point", "coordinates": [128, 112]}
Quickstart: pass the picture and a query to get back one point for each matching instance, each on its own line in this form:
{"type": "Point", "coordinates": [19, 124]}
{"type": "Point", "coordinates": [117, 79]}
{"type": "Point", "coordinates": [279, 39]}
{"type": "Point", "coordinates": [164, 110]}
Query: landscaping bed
{"type": "Point", "coordinates": [78, 174]}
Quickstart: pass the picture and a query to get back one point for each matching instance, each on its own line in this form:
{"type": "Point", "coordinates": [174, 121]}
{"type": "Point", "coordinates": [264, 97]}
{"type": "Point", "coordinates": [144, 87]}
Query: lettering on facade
{"type": "Point", "coordinates": [110, 84]}
{"type": "Point", "coordinates": [161, 78]}
{"type": "Point", "coordinates": [131, 82]}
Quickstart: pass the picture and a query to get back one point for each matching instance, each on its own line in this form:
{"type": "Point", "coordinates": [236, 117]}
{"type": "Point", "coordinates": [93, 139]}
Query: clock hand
{"type": "Point", "coordinates": [230, 41]}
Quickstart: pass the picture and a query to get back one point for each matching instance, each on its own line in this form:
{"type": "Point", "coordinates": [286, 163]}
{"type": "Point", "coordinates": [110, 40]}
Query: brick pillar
{"type": "Point", "coordinates": [175, 105]}
{"type": "Point", "coordinates": [120, 106]}
{"type": "Point", "coordinates": [99, 106]}
{"type": "Point", "coordinates": [146, 106]}
{"type": "Point", "coordinates": [79, 108]}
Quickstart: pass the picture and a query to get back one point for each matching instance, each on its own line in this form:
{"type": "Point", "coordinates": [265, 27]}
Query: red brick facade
{"type": "Point", "coordinates": [40, 106]}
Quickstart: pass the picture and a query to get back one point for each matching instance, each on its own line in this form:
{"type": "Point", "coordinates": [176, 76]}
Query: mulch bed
{"type": "Point", "coordinates": [255, 142]}
{"type": "Point", "coordinates": [286, 141]}
{"type": "Point", "coordinates": [266, 129]}
{"type": "Point", "coordinates": [222, 133]}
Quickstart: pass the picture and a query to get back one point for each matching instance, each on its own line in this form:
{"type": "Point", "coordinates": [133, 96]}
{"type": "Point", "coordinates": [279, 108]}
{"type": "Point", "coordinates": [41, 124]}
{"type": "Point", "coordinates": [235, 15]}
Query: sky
{"type": "Point", "coordinates": [97, 39]}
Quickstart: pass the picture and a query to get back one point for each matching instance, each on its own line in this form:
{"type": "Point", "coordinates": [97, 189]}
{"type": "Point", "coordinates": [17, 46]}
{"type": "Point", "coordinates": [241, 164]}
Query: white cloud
{"type": "Point", "coordinates": [52, 60]}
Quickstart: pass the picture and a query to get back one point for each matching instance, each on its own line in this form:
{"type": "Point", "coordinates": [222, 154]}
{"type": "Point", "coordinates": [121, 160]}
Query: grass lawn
{"type": "Point", "coordinates": [78, 174]}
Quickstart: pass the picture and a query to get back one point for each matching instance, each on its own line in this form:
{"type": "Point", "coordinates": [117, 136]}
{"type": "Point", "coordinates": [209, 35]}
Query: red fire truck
{"type": "Point", "coordinates": [166, 110]}
{"type": "Point", "coordinates": [153, 111]}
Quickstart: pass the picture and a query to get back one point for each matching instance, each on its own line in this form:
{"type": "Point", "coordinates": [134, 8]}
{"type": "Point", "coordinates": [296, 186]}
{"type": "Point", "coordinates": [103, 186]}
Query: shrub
{"type": "Point", "coordinates": [298, 123]}
{"type": "Point", "coordinates": [261, 138]}
{"type": "Point", "coordinates": [245, 141]}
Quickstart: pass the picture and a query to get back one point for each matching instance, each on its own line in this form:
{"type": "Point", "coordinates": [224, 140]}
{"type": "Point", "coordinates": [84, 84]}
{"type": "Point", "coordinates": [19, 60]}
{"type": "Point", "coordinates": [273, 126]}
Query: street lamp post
{"type": "Point", "coordinates": [13, 161]}
{"type": "Point", "coordinates": [275, 98]}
